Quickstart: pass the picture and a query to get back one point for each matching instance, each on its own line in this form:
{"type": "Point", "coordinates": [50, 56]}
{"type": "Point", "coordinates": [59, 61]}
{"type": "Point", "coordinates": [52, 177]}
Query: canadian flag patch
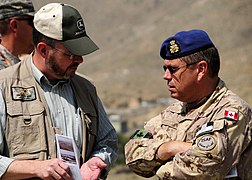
{"type": "Point", "coordinates": [231, 115]}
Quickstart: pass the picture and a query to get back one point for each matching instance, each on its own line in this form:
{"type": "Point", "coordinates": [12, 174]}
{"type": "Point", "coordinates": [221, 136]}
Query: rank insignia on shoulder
{"type": "Point", "coordinates": [141, 134]}
{"type": "Point", "coordinates": [23, 94]}
{"type": "Point", "coordinates": [231, 115]}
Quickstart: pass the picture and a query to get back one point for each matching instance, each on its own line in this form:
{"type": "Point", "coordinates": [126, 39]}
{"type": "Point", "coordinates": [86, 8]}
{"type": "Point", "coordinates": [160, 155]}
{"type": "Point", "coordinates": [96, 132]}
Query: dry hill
{"type": "Point", "coordinates": [129, 34]}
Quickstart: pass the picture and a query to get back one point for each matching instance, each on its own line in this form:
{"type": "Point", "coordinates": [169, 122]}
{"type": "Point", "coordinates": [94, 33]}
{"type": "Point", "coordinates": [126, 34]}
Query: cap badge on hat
{"type": "Point", "coordinates": [174, 47]}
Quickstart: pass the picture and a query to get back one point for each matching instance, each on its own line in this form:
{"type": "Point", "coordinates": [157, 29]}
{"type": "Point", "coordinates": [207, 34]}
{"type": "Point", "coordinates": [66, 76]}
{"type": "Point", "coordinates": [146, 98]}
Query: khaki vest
{"type": "Point", "coordinates": [29, 132]}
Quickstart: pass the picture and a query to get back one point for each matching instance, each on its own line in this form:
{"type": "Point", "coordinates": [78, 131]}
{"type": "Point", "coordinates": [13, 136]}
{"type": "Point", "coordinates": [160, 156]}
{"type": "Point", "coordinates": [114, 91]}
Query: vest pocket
{"type": "Point", "coordinates": [25, 130]}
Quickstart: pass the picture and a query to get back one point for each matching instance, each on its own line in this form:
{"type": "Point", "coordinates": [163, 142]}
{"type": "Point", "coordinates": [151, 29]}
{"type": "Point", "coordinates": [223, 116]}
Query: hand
{"type": "Point", "coordinates": [48, 170]}
{"type": "Point", "coordinates": [53, 169]}
{"type": "Point", "coordinates": [91, 169]}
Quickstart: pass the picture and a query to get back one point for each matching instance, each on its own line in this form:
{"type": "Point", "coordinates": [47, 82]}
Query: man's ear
{"type": "Point", "coordinates": [13, 25]}
{"type": "Point", "coordinates": [202, 68]}
{"type": "Point", "coordinates": [42, 48]}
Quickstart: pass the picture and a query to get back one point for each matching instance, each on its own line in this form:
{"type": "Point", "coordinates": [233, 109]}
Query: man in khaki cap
{"type": "Point", "coordinates": [16, 24]}
{"type": "Point", "coordinates": [207, 133]}
{"type": "Point", "coordinates": [41, 98]}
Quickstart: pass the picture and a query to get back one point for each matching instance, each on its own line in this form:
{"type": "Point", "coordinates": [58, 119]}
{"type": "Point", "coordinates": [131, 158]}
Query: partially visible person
{"type": "Point", "coordinates": [42, 96]}
{"type": "Point", "coordinates": [207, 134]}
{"type": "Point", "coordinates": [16, 24]}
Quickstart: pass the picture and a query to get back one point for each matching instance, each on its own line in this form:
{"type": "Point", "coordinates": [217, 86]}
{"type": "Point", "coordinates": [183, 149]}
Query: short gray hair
{"type": "Point", "coordinates": [210, 55]}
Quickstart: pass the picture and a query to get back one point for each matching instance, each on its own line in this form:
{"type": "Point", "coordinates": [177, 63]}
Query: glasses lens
{"type": "Point", "coordinates": [70, 56]}
{"type": "Point", "coordinates": [170, 68]}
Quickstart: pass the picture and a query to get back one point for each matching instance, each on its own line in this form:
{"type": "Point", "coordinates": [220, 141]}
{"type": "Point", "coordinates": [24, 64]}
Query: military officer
{"type": "Point", "coordinates": [207, 133]}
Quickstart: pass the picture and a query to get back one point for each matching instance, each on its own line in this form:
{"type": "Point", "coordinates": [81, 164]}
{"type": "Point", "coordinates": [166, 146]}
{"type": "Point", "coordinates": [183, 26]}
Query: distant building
{"type": "Point", "coordinates": [119, 123]}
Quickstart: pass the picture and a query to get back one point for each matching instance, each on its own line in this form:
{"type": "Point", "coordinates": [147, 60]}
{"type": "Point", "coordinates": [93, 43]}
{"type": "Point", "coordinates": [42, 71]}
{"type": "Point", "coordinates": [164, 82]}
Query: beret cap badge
{"type": "Point", "coordinates": [174, 47]}
{"type": "Point", "coordinates": [185, 43]}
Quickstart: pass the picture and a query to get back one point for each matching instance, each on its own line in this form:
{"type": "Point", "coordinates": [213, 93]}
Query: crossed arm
{"type": "Point", "coordinates": [168, 149]}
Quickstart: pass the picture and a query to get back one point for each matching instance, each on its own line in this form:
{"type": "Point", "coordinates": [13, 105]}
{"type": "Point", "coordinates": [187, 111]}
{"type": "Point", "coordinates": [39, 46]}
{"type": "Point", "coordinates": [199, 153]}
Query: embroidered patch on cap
{"type": "Point", "coordinates": [24, 94]}
{"type": "Point", "coordinates": [174, 47]}
{"type": "Point", "coordinates": [206, 143]}
{"type": "Point", "coordinates": [231, 115]}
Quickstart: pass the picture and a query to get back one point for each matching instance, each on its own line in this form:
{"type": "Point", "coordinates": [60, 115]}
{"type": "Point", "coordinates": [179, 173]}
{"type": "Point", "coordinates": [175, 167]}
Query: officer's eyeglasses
{"type": "Point", "coordinates": [175, 69]}
{"type": "Point", "coordinates": [28, 19]}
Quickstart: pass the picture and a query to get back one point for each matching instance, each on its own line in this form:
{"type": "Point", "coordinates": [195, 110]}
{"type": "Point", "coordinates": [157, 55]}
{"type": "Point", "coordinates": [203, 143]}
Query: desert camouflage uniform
{"type": "Point", "coordinates": [6, 58]}
{"type": "Point", "coordinates": [220, 131]}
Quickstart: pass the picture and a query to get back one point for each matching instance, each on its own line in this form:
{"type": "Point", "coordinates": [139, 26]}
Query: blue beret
{"type": "Point", "coordinates": [185, 43]}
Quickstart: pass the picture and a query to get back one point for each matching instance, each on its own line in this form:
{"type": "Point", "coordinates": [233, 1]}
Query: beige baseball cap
{"type": "Point", "coordinates": [64, 23]}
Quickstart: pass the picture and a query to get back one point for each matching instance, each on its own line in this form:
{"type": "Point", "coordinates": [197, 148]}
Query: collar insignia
{"type": "Point", "coordinates": [174, 47]}
{"type": "Point", "coordinates": [23, 94]}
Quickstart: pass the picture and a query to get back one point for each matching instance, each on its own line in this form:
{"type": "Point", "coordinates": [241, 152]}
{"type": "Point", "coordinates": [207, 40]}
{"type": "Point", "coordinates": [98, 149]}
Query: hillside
{"type": "Point", "coordinates": [129, 34]}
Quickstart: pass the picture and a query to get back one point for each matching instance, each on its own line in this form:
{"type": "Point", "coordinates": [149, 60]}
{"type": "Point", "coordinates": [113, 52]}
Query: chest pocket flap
{"type": "Point", "coordinates": [18, 108]}
{"type": "Point", "coordinates": [25, 129]}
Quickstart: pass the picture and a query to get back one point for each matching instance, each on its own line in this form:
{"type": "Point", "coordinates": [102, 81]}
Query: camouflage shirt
{"type": "Point", "coordinates": [220, 131]}
{"type": "Point", "coordinates": [6, 58]}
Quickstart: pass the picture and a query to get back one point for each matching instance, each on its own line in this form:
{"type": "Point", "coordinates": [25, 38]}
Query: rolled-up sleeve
{"type": "Point", "coordinates": [4, 164]}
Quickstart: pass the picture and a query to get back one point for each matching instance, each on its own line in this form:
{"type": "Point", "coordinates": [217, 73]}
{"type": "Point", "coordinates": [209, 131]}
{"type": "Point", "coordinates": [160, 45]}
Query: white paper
{"type": "Point", "coordinates": [68, 152]}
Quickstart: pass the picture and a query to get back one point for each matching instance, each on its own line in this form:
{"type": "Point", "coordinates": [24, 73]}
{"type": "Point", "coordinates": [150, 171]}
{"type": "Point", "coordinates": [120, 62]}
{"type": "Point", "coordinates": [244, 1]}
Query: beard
{"type": "Point", "coordinates": [56, 69]}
